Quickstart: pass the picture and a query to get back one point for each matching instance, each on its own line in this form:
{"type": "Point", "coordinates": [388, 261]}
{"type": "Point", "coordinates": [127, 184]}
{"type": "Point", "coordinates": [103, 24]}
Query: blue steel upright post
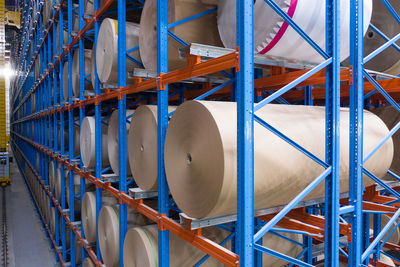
{"type": "Point", "coordinates": [332, 104]}
{"type": "Point", "coordinates": [162, 118]}
{"type": "Point", "coordinates": [245, 132]}
{"type": "Point", "coordinates": [97, 110]}
{"type": "Point", "coordinates": [122, 122]}
{"type": "Point", "coordinates": [356, 137]}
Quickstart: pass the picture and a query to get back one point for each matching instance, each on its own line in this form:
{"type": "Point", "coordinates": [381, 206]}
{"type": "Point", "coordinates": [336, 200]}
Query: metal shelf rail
{"type": "Point", "coordinates": [51, 110]}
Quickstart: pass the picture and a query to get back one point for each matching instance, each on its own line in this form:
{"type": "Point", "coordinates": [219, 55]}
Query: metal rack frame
{"type": "Point", "coordinates": [247, 83]}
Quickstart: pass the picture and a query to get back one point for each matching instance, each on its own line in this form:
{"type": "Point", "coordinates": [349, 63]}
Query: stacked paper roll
{"type": "Point", "coordinates": [141, 248]}
{"type": "Point", "coordinates": [395, 237]}
{"type": "Point", "coordinates": [58, 183]}
{"type": "Point", "coordinates": [37, 68]}
{"type": "Point", "coordinates": [391, 117]}
{"type": "Point", "coordinates": [202, 30]}
{"type": "Point", "coordinates": [87, 143]}
{"type": "Point", "coordinates": [65, 38]}
{"type": "Point", "coordinates": [200, 155]}
{"type": "Point", "coordinates": [142, 146]}
{"type": "Point", "coordinates": [388, 60]}
{"type": "Point", "coordinates": [65, 81]}
{"type": "Point", "coordinates": [108, 232]}
{"type": "Point", "coordinates": [51, 176]}
{"type": "Point", "coordinates": [33, 103]}
{"type": "Point", "coordinates": [89, 212]}
{"type": "Point", "coordinates": [88, 263]}
{"type": "Point", "coordinates": [113, 137]}
{"type": "Point", "coordinates": [75, 71]}
{"type": "Point", "coordinates": [273, 36]}
{"type": "Point", "coordinates": [107, 50]}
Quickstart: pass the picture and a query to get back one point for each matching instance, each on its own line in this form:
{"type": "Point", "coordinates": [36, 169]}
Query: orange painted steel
{"type": "Point", "coordinates": [276, 82]}
{"type": "Point", "coordinates": [211, 248]}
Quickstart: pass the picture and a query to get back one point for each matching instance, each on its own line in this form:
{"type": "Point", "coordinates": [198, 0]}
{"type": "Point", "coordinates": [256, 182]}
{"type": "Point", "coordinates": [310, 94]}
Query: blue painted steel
{"type": "Point", "coordinates": [245, 132]}
{"type": "Point", "coordinates": [98, 137]}
{"type": "Point", "coordinates": [391, 10]}
{"type": "Point", "coordinates": [122, 122]}
{"type": "Point", "coordinates": [162, 118]}
{"type": "Point", "coordinates": [212, 91]}
{"type": "Point", "coordinates": [380, 236]}
{"type": "Point", "coordinates": [356, 127]}
{"type": "Point", "coordinates": [384, 37]}
{"type": "Point", "coordinates": [332, 104]}
{"type": "Point", "coordinates": [180, 22]}
{"type": "Point", "coordinates": [281, 256]}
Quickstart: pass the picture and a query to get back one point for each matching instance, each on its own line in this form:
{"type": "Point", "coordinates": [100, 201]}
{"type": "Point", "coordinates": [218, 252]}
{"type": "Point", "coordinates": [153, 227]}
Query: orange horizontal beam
{"type": "Point", "coordinates": [277, 81]}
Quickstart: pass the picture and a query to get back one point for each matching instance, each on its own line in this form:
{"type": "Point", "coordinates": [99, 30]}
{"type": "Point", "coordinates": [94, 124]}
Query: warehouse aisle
{"type": "Point", "coordinates": [28, 244]}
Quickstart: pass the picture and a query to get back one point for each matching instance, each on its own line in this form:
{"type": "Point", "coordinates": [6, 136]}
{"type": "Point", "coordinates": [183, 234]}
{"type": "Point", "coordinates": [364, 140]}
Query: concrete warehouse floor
{"type": "Point", "coordinates": [28, 245]}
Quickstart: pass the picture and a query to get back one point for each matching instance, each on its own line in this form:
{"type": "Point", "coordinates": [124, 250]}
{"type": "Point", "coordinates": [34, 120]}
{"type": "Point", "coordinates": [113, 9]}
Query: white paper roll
{"type": "Point", "coordinates": [273, 36]}
{"type": "Point", "coordinates": [200, 155]}
{"type": "Point", "coordinates": [87, 143]}
{"type": "Point", "coordinates": [395, 237]}
{"type": "Point", "coordinates": [75, 71]}
{"type": "Point", "coordinates": [108, 232]}
{"type": "Point", "coordinates": [113, 137]}
{"type": "Point", "coordinates": [142, 146]}
{"type": "Point", "coordinates": [141, 248]}
{"type": "Point", "coordinates": [107, 49]}
{"type": "Point", "coordinates": [202, 30]}
{"type": "Point", "coordinates": [89, 213]}
{"type": "Point", "coordinates": [391, 117]}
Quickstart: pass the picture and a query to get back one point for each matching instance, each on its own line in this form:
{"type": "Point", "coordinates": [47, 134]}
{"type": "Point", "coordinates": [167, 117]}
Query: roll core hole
{"type": "Point", "coordinates": [189, 158]}
{"type": "Point", "coordinates": [141, 148]}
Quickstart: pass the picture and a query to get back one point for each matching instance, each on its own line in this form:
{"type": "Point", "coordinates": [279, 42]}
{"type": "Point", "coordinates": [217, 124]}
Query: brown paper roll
{"type": "Point", "coordinates": [391, 117]}
{"type": "Point", "coordinates": [113, 137]}
{"type": "Point", "coordinates": [108, 232]}
{"type": "Point", "coordinates": [200, 155]}
{"type": "Point", "coordinates": [89, 213]}
{"type": "Point", "coordinates": [202, 30]}
{"type": "Point", "coordinates": [141, 248]}
{"type": "Point", "coordinates": [87, 143]}
{"type": "Point", "coordinates": [142, 146]}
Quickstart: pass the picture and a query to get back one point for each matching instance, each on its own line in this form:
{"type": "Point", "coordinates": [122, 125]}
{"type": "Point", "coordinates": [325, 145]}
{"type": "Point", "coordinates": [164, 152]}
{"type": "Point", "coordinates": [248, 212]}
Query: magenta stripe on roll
{"type": "Point", "coordinates": [282, 30]}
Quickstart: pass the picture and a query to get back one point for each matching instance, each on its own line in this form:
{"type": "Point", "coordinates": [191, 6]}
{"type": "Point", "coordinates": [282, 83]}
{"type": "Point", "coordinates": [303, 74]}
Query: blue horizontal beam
{"type": "Point", "coordinates": [281, 256]}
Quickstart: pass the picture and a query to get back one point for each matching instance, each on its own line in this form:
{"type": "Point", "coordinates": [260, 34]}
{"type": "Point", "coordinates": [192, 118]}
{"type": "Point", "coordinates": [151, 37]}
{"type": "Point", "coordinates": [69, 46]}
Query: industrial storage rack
{"type": "Point", "coordinates": [49, 112]}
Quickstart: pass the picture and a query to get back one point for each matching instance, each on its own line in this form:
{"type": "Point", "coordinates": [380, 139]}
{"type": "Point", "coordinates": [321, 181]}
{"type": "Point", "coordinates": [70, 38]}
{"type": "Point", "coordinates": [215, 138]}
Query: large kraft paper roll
{"type": "Point", "coordinates": [65, 38]}
{"type": "Point", "coordinates": [395, 237]}
{"type": "Point", "coordinates": [88, 263]}
{"type": "Point", "coordinates": [141, 248]}
{"type": "Point", "coordinates": [142, 146]}
{"type": "Point", "coordinates": [89, 212]}
{"type": "Point", "coordinates": [65, 81]}
{"type": "Point", "coordinates": [273, 36]}
{"type": "Point", "coordinates": [87, 143]}
{"type": "Point", "coordinates": [75, 71]}
{"type": "Point", "coordinates": [391, 117]}
{"type": "Point", "coordinates": [113, 141]}
{"type": "Point", "coordinates": [202, 30]}
{"type": "Point", "coordinates": [201, 155]}
{"type": "Point", "coordinates": [108, 231]}
{"type": "Point", "coordinates": [107, 50]}
{"type": "Point", "coordinates": [52, 174]}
